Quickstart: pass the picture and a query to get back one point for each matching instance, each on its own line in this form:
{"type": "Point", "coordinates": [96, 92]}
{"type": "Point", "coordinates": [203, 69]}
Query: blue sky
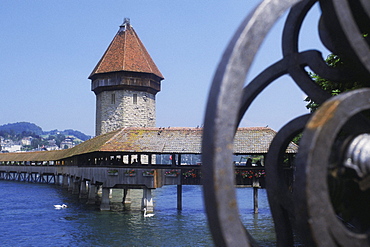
{"type": "Point", "coordinates": [49, 48]}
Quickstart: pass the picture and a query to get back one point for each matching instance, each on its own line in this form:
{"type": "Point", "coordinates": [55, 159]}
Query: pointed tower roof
{"type": "Point", "coordinates": [126, 52]}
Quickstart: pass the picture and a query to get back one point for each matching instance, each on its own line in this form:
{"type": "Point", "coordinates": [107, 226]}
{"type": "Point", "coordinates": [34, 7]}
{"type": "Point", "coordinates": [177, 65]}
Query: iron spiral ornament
{"type": "Point", "coordinates": [311, 206]}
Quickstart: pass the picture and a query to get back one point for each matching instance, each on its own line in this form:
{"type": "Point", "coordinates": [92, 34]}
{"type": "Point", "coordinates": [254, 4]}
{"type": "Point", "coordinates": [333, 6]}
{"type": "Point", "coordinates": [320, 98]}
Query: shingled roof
{"type": "Point", "coordinates": [126, 53]}
{"type": "Point", "coordinates": [156, 140]}
{"type": "Point", "coordinates": [33, 156]}
{"type": "Point", "coordinates": [183, 140]}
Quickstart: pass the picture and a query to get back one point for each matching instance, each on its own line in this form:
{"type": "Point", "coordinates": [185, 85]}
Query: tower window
{"type": "Point", "coordinates": [134, 98]}
{"type": "Point", "coordinates": [113, 99]}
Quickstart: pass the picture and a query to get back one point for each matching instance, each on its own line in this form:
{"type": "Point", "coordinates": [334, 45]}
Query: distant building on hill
{"type": "Point", "coordinates": [67, 143]}
{"type": "Point", "coordinates": [52, 145]}
{"type": "Point", "coordinates": [26, 141]}
{"type": "Point", "coordinates": [10, 147]}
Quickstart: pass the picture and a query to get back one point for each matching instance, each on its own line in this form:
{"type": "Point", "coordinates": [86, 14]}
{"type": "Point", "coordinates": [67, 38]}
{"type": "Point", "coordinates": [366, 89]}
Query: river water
{"type": "Point", "coordinates": [28, 218]}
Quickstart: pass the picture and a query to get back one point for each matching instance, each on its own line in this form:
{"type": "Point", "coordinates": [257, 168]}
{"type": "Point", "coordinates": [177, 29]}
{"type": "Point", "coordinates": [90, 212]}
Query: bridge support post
{"type": "Point", "coordinates": [22, 176]}
{"type": "Point", "coordinates": [255, 195]}
{"type": "Point", "coordinates": [83, 190]}
{"type": "Point", "coordinates": [126, 198]}
{"type": "Point", "coordinates": [27, 177]}
{"type": "Point", "coordinates": [255, 200]}
{"type": "Point", "coordinates": [50, 179]}
{"type": "Point", "coordinates": [76, 186]}
{"type": "Point", "coordinates": [70, 184]}
{"type": "Point", "coordinates": [60, 180]}
{"type": "Point", "coordinates": [104, 205]}
{"type": "Point", "coordinates": [91, 197]}
{"type": "Point", "coordinates": [32, 177]}
{"type": "Point", "coordinates": [57, 179]}
{"type": "Point", "coordinates": [19, 176]}
{"type": "Point", "coordinates": [65, 181]}
{"type": "Point", "coordinates": [179, 197]}
{"type": "Point", "coordinates": [147, 201]}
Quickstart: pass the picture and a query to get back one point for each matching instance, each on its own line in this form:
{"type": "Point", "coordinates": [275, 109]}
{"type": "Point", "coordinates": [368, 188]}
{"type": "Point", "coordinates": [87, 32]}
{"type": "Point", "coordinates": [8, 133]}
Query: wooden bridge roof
{"type": "Point", "coordinates": [155, 140]}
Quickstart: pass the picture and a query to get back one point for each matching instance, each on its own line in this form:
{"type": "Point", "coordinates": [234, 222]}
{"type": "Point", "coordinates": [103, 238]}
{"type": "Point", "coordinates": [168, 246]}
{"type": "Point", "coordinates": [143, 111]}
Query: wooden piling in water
{"type": "Point", "coordinates": [179, 197]}
{"type": "Point", "coordinates": [255, 200]}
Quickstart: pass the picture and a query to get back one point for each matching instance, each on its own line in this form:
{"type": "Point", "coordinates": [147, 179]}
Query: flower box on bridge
{"type": "Point", "coordinates": [130, 175]}
{"type": "Point", "coordinates": [149, 173]}
{"type": "Point", "coordinates": [112, 172]}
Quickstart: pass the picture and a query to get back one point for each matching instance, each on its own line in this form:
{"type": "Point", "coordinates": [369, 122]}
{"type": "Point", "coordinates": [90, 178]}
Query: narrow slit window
{"type": "Point", "coordinates": [134, 99]}
{"type": "Point", "coordinates": [113, 100]}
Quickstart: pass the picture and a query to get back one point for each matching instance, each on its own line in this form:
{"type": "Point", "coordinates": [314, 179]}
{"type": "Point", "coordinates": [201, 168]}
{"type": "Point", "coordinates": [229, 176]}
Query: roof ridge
{"type": "Point", "coordinates": [114, 135]}
{"type": "Point", "coordinates": [143, 52]}
{"type": "Point", "coordinates": [124, 51]}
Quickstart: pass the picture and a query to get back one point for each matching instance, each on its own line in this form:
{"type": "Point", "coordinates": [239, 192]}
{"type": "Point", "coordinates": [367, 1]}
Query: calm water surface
{"type": "Point", "coordinates": [28, 218]}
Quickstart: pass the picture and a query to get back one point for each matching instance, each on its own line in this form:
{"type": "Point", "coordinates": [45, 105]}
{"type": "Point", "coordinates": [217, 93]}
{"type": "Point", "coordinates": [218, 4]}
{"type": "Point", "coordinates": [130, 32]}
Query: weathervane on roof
{"type": "Point", "coordinates": [125, 25]}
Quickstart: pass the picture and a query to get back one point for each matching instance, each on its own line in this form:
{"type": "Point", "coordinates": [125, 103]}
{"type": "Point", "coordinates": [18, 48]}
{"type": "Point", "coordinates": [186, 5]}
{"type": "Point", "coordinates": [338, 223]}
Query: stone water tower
{"type": "Point", "coordinates": [125, 82]}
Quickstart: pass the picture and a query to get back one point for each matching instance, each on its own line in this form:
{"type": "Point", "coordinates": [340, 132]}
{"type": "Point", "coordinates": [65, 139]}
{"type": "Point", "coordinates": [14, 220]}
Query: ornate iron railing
{"type": "Point", "coordinates": [328, 202]}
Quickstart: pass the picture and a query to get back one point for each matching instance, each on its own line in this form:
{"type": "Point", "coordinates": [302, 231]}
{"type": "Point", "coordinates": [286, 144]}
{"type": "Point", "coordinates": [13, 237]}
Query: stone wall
{"type": "Point", "coordinates": [124, 108]}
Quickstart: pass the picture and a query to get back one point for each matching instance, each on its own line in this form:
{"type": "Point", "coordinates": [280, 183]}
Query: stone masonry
{"type": "Point", "coordinates": [124, 108]}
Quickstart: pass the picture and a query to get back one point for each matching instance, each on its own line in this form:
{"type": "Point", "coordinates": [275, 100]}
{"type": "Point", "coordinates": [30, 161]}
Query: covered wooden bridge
{"type": "Point", "coordinates": [127, 158]}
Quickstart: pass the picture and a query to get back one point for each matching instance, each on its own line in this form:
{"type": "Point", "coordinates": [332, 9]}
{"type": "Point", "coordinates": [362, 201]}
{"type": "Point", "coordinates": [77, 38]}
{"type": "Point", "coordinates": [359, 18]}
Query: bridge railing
{"type": "Point", "coordinates": [170, 175]}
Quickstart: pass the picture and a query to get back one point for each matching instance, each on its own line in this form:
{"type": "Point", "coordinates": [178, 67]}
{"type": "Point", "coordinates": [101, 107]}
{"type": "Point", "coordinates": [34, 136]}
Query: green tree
{"type": "Point", "coordinates": [26, 148]}
{"type": "Point", "coordinates": [334, 88]}
{"type": "Point", "coordinates": [59, 138]}
{"type": "Point", "coordinates": [35, 143]}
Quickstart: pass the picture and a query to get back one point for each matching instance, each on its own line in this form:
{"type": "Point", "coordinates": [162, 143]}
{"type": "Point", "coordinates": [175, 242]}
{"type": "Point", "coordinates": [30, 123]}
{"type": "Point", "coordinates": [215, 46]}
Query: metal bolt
{"type": "Point", "coordinates": [357, 158]}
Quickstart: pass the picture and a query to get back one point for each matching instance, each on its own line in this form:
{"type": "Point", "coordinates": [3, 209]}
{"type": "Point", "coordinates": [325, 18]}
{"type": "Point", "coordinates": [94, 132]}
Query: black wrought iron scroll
{"type": "Point", "coordinates": [333, 159]}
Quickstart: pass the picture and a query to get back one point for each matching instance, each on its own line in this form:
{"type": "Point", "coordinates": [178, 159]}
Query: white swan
{"type": "Point", "coordinates": [60, 206]}
{"type": "Point", "coordinates": [147, 215]}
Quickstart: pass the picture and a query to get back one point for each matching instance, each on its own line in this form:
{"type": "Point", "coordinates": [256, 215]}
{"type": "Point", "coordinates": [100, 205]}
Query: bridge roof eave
{"type": "Point", "coordinates": [255, 140]}
{"type": "Point", "coordinates": [33, 156]}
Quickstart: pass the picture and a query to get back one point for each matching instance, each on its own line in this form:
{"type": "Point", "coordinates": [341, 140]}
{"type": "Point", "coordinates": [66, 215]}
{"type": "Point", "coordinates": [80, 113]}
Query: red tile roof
{"type": "Point", "coordinates": [126, 53]}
